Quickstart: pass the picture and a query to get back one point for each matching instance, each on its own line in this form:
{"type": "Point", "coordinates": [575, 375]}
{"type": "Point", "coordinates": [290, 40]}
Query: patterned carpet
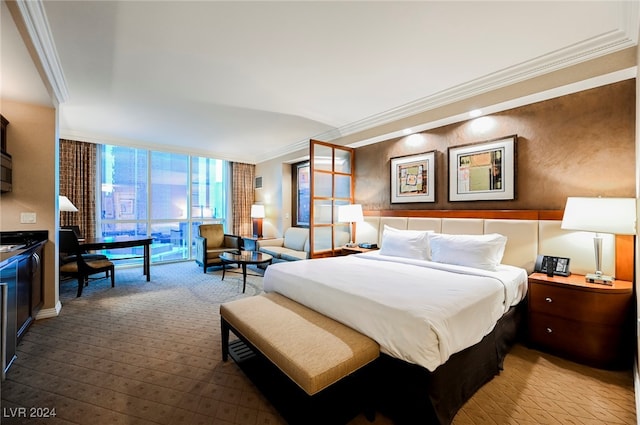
{"type": "Point", "coordinates": [149, 353]}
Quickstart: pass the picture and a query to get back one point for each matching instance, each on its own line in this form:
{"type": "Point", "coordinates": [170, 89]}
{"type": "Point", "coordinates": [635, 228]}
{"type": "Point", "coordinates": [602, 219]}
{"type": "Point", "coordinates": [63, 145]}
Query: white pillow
{"type": "Point", "coordinates": [405, 243]}
{"type": "Point", "coordinates": [479, 251]}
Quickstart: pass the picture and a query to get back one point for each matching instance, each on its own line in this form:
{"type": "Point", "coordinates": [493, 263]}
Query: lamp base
{"type": "Point", "coordinates": [351, 245]}
{"type": "Point", "coordinates": [257, 227]}
{"type": "Point", "coordinates": [599, 278]}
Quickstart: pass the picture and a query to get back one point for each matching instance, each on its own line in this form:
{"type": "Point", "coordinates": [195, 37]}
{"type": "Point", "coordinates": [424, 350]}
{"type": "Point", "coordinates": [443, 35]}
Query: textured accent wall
{"type": "Point", "coordinates": [576, 145]}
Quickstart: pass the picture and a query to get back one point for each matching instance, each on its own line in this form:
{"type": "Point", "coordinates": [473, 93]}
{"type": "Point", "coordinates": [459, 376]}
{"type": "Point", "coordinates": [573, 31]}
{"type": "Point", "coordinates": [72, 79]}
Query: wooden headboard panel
{"type": "Point", "coordinates": [549, 235]}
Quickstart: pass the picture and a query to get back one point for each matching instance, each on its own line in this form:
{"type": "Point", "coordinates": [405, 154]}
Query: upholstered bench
{"type": "Point", "coordinates": [312, 350]}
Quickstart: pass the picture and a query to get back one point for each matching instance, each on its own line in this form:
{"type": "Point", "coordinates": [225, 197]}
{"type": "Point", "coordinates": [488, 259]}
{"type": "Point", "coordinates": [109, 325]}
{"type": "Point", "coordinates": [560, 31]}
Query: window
{"type": "Point", "coordinates": [147, 193]}
{"type": "Point", "coordinates": [301, 194]}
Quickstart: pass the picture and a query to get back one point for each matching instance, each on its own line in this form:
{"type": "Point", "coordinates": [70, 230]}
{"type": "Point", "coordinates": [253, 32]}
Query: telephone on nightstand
{"type": "Point", "coordinates": [552, 265]}
{"type": "Point", "coordinates": [368, 245]}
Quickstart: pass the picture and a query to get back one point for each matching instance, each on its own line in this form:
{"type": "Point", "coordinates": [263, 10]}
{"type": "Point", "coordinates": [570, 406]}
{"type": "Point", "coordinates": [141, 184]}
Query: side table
{"type": "Point", "coordinates": [242, 259]}
{"type": "Point", "coordinates": [348, 250]}
{"type": "Point", "coordinates": [250, 242]}
{"type": "Point", "coordinates": [585, 322]}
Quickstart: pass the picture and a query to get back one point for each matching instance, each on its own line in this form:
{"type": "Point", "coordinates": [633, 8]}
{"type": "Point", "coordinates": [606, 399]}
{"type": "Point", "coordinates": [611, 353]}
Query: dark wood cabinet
{"type": "Point", "coordinates": [3, 133]}
{"type": "Point", "coordinates": [29, 289]}
{"type": "Point", "coordinates": [37, 279]}
{"type": "Point", "coordinates": [21, 276]}
{"type": "Point", "coordinates": [23, 296]}
{"type": "Point", "coordinates": [585, 322]}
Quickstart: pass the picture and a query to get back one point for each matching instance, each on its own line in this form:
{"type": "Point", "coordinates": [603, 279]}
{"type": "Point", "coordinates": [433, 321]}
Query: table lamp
{"type": "Point", "coordinates": [600, 215]}
{"type": "Point", "coordinates": [257, 214]}
{"type": "Point", "coordinates": [350, 214]}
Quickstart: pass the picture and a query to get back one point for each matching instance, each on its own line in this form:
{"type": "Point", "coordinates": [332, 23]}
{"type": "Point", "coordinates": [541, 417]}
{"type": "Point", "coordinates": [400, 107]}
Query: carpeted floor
{"type": "Point", "coordinates": [149, 353]}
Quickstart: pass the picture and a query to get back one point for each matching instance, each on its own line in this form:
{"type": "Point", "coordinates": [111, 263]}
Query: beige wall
{"type": "Point", "coordinates": [31, 142]}
{"type": "Point", "coordinates": [276, 192]}
{"type": "Point", "coordinates": [581, 144]}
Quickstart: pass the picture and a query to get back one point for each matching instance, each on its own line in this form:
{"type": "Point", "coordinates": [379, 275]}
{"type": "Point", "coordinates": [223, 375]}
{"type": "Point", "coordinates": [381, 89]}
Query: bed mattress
{"type": "Point", "coordinates": [419, 311]}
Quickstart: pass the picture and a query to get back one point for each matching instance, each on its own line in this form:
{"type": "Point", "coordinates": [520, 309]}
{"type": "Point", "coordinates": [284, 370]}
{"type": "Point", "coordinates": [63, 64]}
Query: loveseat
{"type": "Point", "coordinates": [293, 246]}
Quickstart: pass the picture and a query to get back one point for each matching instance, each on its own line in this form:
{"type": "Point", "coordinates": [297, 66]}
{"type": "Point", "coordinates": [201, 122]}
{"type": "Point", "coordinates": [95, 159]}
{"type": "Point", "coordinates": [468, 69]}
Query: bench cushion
{"type": "Point", "coordinates": [313, 350]}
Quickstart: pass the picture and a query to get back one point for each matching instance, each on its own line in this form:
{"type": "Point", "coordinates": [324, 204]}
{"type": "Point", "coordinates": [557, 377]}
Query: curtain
{"type": "Point", "coordinates": [242, 179]}
{"type": "Point", "coordinates": [78, 183]}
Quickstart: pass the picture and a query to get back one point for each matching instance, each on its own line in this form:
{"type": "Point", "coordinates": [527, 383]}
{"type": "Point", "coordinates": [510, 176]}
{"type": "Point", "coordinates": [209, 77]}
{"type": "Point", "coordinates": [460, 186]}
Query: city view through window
{"type": "Point", "coordinates": [164, 195]}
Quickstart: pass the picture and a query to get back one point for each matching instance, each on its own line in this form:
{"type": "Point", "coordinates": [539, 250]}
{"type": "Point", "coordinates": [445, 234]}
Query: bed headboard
{"type": "Point", "coordinates": [529, 233]}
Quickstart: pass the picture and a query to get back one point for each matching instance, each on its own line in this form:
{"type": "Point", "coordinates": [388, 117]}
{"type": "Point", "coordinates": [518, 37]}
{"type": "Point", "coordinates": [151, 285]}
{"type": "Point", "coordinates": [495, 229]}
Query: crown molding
{"type": "Point", "coordinates": [582, 52]}
{"type": "Point", "coordinates": [568, 89]}
{"type": "Point", "coordinates": [602, 45]}
{"type": "Point", "coordinates": [37, 27]}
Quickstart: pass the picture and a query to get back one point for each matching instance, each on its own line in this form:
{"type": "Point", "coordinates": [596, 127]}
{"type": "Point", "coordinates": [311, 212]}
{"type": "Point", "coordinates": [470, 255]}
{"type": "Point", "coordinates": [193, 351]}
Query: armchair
{"type": "Point", "coordinates": [211, 241]}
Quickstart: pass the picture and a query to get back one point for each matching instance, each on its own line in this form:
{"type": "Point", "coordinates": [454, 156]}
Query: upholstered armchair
{"type": "Point", "coordinates": [211, 241]}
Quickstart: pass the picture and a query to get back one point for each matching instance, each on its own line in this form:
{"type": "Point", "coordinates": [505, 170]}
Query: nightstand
{"type": "Point", "coordinates": [348, 250]}
{"type": "Point", "coordinates": [250, 243]}
{"type": "Point", "coordinates": [584, 322]}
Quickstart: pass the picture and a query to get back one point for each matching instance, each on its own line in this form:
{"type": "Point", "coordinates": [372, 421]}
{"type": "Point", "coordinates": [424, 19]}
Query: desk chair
{"type": "Point", "coordinates": [80, 266]}
{"type": "Point", "coordinates": [75, 228]}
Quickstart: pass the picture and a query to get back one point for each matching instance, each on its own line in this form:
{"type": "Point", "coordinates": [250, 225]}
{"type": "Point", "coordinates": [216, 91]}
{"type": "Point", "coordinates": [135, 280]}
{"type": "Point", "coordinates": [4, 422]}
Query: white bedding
{"type": "Point", "coordinates": [418, 311]}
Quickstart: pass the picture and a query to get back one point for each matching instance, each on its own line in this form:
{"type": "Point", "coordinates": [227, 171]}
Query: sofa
{"type": "Point", "coordinates": [293, 246]}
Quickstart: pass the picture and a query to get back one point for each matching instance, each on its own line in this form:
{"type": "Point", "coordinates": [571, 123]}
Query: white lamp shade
{"type": "Point", "coordinates": [65, 204]}
{"type": "Point", "coordinates": [257, 211]}
{"type": "Point", "coordinates": [350, 213]}
{"type": "Point", "coordinates": [600, 215]}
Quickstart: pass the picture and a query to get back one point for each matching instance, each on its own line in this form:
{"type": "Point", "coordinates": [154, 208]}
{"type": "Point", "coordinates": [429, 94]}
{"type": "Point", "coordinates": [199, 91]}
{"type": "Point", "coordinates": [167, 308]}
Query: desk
{"type": "Point", "coordinates": [90, 244]}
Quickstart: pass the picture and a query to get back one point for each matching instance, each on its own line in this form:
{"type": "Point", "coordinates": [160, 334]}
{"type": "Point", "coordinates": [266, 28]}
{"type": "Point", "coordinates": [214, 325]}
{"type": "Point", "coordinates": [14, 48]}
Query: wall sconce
{"type": "Point", "coordinates": [257, 214]}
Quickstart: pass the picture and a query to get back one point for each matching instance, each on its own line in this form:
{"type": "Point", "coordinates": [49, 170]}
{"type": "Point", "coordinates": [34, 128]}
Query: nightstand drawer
{"type": "Point", "coordinates": [579, 341]}
{"type": "Point", "coordinates": [579, 304]}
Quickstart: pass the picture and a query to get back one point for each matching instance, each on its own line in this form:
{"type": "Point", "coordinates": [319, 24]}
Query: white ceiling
{"type": "Point", "coordinates": [248, 81]}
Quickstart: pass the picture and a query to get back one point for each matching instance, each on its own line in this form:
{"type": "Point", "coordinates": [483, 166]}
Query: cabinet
{"type": "Point", "coordinates": [22, 277]}
{"type": "Point", "coordinates": [29, 289]}
{"type": "Point", "coordinates": [584, 322]}
{"type": "Point", "coordinates": [8, 283]}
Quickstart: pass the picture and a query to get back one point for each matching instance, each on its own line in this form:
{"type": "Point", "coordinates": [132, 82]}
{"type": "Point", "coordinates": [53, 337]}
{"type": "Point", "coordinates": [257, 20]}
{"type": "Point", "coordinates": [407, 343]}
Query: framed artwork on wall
{"type": "Point", "coordinates": [483, 171]}
{"type": "Point", "coordinates": [413, 178]}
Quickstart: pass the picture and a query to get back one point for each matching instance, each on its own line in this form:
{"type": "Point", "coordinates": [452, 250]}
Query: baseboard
{"type": "Point", "coordinates": [47, 313]}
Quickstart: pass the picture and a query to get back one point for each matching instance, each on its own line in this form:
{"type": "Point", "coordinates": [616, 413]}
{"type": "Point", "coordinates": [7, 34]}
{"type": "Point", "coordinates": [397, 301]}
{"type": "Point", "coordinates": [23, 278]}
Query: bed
{"type": "Point", "coordinates": [423, 297]}
{"type": "Point", "coordinates": [436, 355]}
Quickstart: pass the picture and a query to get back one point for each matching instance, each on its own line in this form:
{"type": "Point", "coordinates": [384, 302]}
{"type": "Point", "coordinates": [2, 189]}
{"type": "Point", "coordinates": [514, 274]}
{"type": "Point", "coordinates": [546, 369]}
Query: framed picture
{"type": "Point", "coordinates": [413, 178]}
{"type": "Point", "coordinates": [483, 171]}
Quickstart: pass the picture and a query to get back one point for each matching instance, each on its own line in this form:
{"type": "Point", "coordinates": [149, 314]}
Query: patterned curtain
{"type": "Point", "coordinates": [242, 179]}
{"type": "Point", "coordinates": [78, 183]}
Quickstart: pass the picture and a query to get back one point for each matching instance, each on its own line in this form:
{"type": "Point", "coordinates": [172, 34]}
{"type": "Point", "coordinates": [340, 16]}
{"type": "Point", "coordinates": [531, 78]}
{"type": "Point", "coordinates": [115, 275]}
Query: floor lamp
{"type": "Point", "coordinates": [600, 215]}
